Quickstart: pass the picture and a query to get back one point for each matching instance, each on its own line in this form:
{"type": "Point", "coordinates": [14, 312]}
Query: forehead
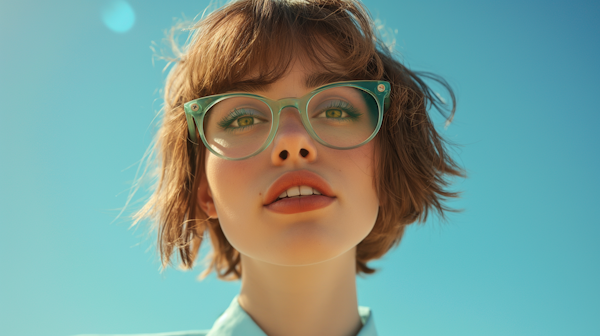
{"type": "Point", "coordinates": [308, 74]}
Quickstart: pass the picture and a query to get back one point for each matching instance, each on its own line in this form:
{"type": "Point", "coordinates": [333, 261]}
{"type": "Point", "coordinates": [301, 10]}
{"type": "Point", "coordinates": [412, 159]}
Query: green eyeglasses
{"type": "Point", "coordinates": [340, 115]}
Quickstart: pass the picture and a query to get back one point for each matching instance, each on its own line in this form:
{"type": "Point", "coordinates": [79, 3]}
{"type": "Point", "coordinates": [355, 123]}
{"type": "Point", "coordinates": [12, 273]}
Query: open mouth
{"type": "Point", "coordinates": [299, 199]}
{"type": "Point", "coordinates": [300, 191]}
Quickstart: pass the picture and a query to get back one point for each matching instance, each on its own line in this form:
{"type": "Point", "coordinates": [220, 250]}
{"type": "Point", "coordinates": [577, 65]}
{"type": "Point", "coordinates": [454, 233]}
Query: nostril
{"type": "Point", "coordinates": [304, 152]}
{"type": "Point", "coordinates": [283, 155]}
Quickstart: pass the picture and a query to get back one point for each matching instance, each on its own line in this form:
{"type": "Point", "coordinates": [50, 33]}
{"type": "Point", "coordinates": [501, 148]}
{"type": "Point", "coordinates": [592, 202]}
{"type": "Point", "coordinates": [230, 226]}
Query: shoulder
{"type": "Point", "coordinates": [173, 333]}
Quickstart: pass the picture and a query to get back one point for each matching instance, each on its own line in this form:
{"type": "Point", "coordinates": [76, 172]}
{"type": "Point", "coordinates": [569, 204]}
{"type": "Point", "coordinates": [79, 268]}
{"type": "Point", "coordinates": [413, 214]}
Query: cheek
{"type": "Point", "coordinates": [236, 194]}
{"type": "Point", "coordinates": [360, 202]}
{"type": "Point", "coordinates": [361, 194]}
{"type": "Point", "coordinates": [228, 181]}
{"type": "Point", "coordinates": [359, 168]}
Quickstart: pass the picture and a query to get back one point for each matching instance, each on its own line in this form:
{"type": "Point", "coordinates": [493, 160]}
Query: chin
{"type": "Point", "coordinates": [299, 242]}
{"type": "Point", "coordinates": [303, 246]}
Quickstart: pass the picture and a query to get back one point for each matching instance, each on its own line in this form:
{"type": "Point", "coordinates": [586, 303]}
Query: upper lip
{"type": "Point", "coordinates": [296, 179]}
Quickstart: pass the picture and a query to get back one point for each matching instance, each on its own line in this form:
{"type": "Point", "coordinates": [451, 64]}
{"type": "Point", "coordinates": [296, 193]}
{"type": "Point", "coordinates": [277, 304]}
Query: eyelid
{"type": "Point", "coordinates": [339, 103]}
{"type": "Point", "coordinates": [236, 114]}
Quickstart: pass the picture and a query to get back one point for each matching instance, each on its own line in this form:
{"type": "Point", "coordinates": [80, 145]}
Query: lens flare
{"type": "Point", "coordinates": [118, 16]}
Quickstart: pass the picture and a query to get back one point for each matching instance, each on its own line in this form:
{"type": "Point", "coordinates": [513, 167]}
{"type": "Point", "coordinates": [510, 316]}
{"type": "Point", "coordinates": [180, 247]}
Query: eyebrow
{"type": "Point", "coordinates": [248, 86]}
{"type": "Point", "coordinates": [322, 78]}
{"type": "Point", "coordinates": [311, 81]}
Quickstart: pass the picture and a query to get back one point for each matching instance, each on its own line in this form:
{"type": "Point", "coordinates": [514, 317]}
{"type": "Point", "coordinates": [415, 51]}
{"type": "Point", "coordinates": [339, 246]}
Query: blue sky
{"type": "Point", "coordinates": [77, 102]}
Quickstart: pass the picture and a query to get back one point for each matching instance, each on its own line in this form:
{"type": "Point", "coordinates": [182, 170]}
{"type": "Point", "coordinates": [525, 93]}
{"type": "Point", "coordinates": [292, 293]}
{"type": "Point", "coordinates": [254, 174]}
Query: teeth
{"type": "Point", "coordinates": [304, 190]}
{"type": "Point", "coordinates": [293, 191]}
{"type": "Point", "coordinates": [299, 191]}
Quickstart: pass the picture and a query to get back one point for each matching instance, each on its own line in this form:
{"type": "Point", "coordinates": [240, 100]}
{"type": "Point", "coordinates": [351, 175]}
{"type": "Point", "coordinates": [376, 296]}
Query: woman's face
{"type": "Point", "coordinates": [316, 229]}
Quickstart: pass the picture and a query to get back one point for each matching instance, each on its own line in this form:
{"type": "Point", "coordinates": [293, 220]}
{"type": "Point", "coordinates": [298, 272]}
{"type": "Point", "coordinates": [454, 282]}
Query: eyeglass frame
{"type": "Point", "coordinates": [196, 109]}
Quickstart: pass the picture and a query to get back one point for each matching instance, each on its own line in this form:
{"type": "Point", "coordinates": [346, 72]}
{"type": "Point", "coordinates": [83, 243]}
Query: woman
{"type": "Point", "coordinates": [302, 149]}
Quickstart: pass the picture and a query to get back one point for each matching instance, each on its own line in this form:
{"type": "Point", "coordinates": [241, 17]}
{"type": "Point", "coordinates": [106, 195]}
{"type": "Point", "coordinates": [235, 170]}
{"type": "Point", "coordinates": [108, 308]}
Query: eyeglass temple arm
{"type": "Point", "coordinates": [386, 101]}
{"type": "Point", "coordinates": [191, 127]}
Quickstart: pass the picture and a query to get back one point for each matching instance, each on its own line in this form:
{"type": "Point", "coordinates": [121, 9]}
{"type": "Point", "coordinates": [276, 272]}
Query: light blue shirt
{"type": "Point", "coordinates": [236, 322]}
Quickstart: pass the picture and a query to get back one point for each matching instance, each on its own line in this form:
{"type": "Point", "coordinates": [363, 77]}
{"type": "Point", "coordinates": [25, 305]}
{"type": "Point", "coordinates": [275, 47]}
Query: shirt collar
{"type": "Point", "coordinates": [236, 322]}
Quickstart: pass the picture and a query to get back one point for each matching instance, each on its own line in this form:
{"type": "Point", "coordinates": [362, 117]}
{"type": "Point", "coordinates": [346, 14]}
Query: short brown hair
{"type": "Point", "coordinates": [413, 163]}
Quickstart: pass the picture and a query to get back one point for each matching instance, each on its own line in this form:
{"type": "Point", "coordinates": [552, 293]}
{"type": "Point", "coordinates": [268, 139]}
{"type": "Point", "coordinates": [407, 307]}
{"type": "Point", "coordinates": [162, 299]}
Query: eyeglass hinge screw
{"type": "Point", "coordinates": [195, 107]}
{"type": "Point", "coordinates": [380, 87]}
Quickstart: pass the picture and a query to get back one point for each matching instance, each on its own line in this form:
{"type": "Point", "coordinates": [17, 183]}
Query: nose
{"type": "Point", "coordinates": [292, 144]}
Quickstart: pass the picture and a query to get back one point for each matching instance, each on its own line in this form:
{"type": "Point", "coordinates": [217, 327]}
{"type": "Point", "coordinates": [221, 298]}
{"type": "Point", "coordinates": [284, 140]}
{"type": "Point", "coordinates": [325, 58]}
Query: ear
{"type": "Point", "coordinates": [205, 199]}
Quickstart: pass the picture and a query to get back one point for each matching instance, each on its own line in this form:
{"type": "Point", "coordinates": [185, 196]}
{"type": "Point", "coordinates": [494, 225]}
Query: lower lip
{"type": "Point", "coordinates": [294, 205]}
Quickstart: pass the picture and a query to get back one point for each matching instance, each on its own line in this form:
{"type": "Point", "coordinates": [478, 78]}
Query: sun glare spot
{"type": "Point", "coordinates": [118, 16]}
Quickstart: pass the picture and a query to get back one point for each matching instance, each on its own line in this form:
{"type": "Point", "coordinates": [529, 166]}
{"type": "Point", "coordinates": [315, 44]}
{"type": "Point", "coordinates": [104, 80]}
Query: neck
{"type": "Point", "coordinates": [317, 299]}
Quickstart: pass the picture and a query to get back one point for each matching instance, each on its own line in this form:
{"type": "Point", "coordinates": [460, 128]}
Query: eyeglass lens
{"type": "Point", "coordinates": [341, 116]}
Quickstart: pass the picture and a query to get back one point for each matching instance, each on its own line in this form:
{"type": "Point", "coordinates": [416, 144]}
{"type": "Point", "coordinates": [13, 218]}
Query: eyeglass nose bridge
{"type": "Point", "coordinates": [288, 102]}
{"type": "Point", "coordinates": [300, 105]}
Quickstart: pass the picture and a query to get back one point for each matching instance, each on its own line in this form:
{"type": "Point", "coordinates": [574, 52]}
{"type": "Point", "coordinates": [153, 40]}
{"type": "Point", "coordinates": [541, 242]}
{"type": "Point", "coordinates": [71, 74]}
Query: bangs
{"type": "Point", "coordinates": [245, 47]}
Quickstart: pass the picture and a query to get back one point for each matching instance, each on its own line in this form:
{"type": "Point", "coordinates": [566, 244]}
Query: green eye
{"type": "Point", "coordinates": [338, 111]}
{"type": "Point", "coordinates": [333, 113]}
{"type": "Point", "coordinates": [245, 121]}
{"type": "Point", "coordinates": [241, 119]}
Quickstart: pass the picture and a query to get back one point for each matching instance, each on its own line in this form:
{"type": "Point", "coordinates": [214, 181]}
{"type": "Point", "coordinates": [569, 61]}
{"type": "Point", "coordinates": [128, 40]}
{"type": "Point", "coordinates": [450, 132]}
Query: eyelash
{"type": "Point", "coordinates": [233, 116]}
{"type": "Point", "coordinates": [353, 113]}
